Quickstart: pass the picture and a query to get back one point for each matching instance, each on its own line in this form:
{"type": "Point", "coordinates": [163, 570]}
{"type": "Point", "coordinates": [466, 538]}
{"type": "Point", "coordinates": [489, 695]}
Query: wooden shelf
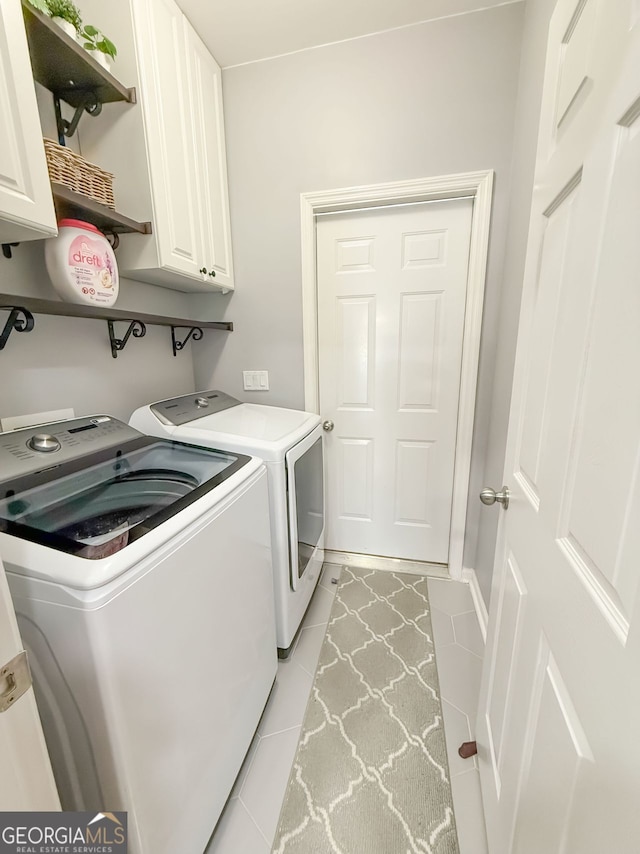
{"type": "Point", "coordinates": [64, 67]}
{"type": "Point", "coordinates": [21, 311]}
{"type": "Point", "coordinates": [71, 204]}
{"type": "Point", "coordinates": [70, 72]}
{"type": "Point", "coordinates": [70, 309]}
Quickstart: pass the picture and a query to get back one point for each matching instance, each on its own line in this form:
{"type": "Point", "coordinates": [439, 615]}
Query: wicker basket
{"type": "Point", "coordinates": [68, 168]}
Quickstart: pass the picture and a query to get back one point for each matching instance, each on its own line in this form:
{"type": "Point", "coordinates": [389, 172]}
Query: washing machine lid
{"type": "Point", "coordinates": [95, 505]}
{"type": "Point", "coordinates": [265, 431]}
{"type": "Point", "coordinates": [216, 419]}
{"type": "Point", "coordinates": [264, 423]}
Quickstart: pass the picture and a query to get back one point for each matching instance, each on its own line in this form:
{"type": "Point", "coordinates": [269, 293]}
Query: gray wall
{"type": "Point", "coordinates": [534, 47]}
{"type": "Point", "coordinates": [433, 99]}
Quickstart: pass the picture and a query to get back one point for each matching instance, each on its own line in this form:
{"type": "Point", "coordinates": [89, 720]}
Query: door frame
{"type": "Point", "coordinates": [478, 186]}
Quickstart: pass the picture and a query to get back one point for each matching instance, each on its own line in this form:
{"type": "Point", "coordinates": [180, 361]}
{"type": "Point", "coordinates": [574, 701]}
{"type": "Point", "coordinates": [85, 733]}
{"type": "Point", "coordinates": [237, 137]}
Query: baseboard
{"type": "Point", "coordinates": [387, 564]}
{"type": "Point", "coordinates": [469, 575]}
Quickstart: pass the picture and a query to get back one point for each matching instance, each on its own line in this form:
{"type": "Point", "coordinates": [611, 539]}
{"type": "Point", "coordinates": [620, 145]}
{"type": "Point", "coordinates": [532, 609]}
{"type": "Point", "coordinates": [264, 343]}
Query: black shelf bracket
{"type": "Point", "coordinates": [19, 320]}
{"type": "Point", "coordinates": [89, 103]}
{"type": "Point", "coordinates": [6, 249]}
{"type": "Point", "coordinates": [136, 328]}
{"type": "Point", "coordinates": [113, 238]}
{"type": "Point", "coordinates": [195, 332]}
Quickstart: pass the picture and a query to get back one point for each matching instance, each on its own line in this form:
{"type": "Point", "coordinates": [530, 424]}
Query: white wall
{"type": "Point", "coordinates": [432, 99]}
{"type": "Point", "coordinates": [534, 47]}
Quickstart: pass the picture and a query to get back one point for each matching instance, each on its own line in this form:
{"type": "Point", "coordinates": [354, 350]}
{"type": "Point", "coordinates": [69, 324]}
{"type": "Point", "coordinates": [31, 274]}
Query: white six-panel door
{"type": "Point", "coordinates": [391, 303]}
{"type": "Point", "coordinates": [560, 699]}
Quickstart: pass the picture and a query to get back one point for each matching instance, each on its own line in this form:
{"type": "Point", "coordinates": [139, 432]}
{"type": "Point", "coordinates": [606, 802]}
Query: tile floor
{"type": "Point", "coordinates": [248, 823]}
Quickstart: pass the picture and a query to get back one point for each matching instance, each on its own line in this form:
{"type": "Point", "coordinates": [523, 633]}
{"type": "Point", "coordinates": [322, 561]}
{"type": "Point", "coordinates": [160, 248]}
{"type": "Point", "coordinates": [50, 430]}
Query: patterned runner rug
{"type": "Point", "coordinates": [370, 775]}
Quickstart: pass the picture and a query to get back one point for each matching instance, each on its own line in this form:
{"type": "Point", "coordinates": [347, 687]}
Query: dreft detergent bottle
{"type": "Point", "coordinates": [81, 264]}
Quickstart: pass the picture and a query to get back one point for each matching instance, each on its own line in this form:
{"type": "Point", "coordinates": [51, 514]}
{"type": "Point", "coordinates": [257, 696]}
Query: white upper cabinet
{"type": "Point", "coordinates": [168, 154]}
{"type": "Point", "coordinates": [163, 55]}
{"type": "Point", "coordinates": [181, 97]}
{"type": "Point", "coordinates": [26, 203]}
{"type": "Point", "coordinates": [206, 90]}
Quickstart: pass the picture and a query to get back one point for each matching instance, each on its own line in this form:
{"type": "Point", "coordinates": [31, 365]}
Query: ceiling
{"type": "Point", "coordinates": [239, 31]}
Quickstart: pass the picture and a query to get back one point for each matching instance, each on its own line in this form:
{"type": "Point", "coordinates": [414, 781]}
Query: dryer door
{"type": "Point", "coordinates": [305, 498]}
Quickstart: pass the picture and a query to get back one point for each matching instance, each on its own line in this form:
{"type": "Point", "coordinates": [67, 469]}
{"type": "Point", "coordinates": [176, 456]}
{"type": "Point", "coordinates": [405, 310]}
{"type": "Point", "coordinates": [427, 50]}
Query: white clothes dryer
{"type": "Point", "coordinates": [140, 571]}
{"type": "Point", "coordinates": [290, 443]}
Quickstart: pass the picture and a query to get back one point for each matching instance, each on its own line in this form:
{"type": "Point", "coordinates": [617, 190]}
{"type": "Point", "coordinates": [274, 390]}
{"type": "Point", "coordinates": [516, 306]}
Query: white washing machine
{"type": "Point", "coordinates": [140, 571]}
{"type": "Point", "coordinates": [290, 443]}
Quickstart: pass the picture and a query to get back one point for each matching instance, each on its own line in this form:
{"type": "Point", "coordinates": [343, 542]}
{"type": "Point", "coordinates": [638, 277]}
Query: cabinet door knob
{"type": "Point", "coordinates": [203, 270]}
{"type": "Point", "coordinates": [212, 272]}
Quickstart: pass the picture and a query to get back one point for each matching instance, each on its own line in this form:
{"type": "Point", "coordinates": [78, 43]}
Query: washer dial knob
{"type": "Point", "coordinates": [44, 443]}
{"type": "Point", "coordinates": [201, 402]}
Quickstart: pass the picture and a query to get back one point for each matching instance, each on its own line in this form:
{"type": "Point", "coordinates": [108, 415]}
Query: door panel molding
{"type": "Point", "coordinates": [479, 186]}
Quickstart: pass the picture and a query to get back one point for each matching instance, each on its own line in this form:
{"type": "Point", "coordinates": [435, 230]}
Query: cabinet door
{"type": "Point", "coordinates": [163, 55]}
{"type": "Point", "coordinates": [207, 113]}
{"type": "Point", "coordinates": [26, 204]}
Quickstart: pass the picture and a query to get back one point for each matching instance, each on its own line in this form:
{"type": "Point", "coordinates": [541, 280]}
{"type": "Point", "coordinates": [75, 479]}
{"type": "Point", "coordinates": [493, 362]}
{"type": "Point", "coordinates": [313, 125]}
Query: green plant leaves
{"type": "Point", "coordinates": [108, 47]}
{"type": "Point", "coordinates": [65, 9]}
{"type": "Point", "coordinates": [40, 5]}
{"type": "Point", "coordinates": [95, 40]}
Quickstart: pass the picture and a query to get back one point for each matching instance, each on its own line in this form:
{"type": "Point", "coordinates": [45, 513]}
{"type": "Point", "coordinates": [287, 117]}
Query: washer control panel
{"type": "Point", "coordinates": [34, 448]}
{"type": "Point", "coordinates": [181, 410]}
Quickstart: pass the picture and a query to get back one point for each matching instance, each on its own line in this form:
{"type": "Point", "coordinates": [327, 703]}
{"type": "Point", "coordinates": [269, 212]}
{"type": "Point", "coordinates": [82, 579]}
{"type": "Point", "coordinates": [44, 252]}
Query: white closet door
{"type": "Point", "coordinates": [392, 287]}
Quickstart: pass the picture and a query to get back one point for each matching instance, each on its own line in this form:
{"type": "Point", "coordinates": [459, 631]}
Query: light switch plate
{"type": "Point", "coordinates": [255, 380]}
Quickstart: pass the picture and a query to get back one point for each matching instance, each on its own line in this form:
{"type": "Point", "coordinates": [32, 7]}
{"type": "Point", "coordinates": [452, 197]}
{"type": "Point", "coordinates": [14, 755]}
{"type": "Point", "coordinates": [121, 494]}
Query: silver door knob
{"type": "Point", "coordinates": [490, 496]}
{"type": "Point", "coordinates": [327, 425]}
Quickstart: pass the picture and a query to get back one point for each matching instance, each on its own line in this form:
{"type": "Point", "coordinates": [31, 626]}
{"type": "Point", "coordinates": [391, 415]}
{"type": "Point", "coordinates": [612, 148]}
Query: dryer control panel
{"type": "Point", "coordinates": [189, 407]}
{"type": "Point", "coordinates": [33, 448]}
